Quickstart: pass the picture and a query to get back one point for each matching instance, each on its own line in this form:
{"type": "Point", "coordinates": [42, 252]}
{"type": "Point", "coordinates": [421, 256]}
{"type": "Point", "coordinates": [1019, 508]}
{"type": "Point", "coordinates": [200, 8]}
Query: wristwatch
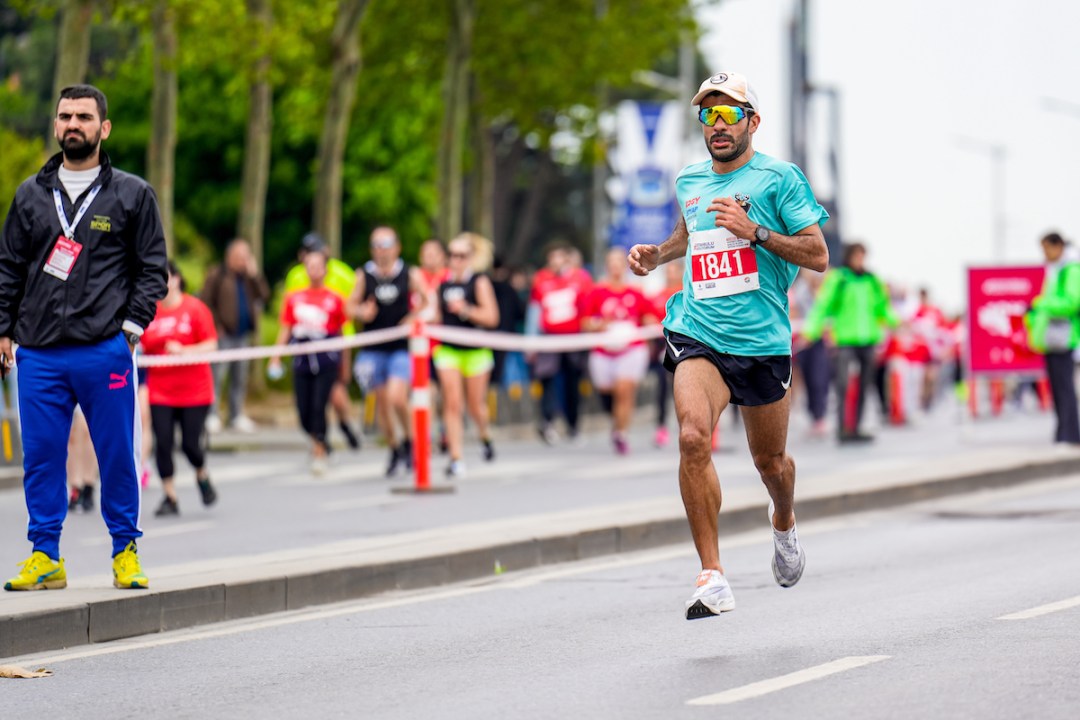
{"type": "Point", "coordinates": [761, 235]}
{"type": "Point", "coordinates": [132, 338]}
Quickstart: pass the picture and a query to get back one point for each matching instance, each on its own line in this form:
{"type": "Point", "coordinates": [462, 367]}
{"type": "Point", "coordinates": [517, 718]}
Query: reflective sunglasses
{"type": "Point", "coordinates": [730, 114]}
{"type": "Point", "coordinates": [458, 256]}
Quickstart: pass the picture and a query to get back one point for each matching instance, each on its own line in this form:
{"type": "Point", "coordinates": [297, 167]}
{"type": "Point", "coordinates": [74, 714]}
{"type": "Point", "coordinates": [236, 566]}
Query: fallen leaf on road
{"type": "Point", "coordinates": [11, 671]}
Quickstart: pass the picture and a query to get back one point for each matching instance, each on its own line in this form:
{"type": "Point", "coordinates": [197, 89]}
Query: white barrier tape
{"type": "Point", "coordinates": [364, 339]}
{"type": "Point", "coordinates": [614, 341]}
{"type": "Point", "coordinates": [542, 343]}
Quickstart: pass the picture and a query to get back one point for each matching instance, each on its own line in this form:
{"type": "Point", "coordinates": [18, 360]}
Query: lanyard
{"type": "Point", "coordinates": [69, 229]}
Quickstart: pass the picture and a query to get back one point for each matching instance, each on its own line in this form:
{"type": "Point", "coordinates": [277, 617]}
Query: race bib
{"type": "Point", "coordinates": [721, 264]}
{"type": "Point", "coordinates": [63, 257]}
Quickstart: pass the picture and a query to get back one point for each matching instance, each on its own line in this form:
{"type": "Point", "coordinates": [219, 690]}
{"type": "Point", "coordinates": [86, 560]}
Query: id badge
{"type": "Point", "coordinates": [721, 264]}
{"type": "Point", "coordinates": [63, 257]}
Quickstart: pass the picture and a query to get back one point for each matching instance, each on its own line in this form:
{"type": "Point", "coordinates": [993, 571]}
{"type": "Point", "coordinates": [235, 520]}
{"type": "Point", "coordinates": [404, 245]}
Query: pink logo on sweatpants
{"type": "Point", "coordinates": [118, 381]}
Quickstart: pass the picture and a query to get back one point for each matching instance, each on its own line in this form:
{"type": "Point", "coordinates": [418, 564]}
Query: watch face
{"type": "Point", "coordinates": [762, 233]}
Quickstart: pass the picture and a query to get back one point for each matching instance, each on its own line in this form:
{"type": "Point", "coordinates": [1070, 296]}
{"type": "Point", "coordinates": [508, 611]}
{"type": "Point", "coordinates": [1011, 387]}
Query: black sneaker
{"type": "Point", "coordinates": [209, 495]}
{"type": "Point", "coordinates": [86, 501]}
{"type": "Point", "coordinates": [395, 460]}
{"type": "Point", "coordinates": [167, 507]}
{"type": "Point", "coordinates": [350, 436]}
{"type": "Point", "coordinates": [489, 450]}
{"type": "Point", "coordinates": [73, 499]}
{"type": "Point", "coordinates": [406, 453]}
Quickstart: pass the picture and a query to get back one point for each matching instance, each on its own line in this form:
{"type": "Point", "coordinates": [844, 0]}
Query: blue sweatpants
{"type": "Point", "coordinates": [102, 379]}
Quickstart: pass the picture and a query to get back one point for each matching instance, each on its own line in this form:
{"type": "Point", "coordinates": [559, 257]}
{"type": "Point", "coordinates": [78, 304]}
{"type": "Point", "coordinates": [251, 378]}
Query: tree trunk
{"type": "Point", "coordinates": [455, 119]}
{"type": "Point", "coordinates": [72, 46]}
{"type": "Point", "coordinates": [345, 68]}
{"type": "Point", "coordinates": [482, 205]}
{"type": "Point", "coordinates": [504, 182]}
{"type": "Point", "coordinates": [161, 151]}
{"type": "Point", "coordinates": [256, 175]}
{"type": "Point", "coordinates": [534, 203]}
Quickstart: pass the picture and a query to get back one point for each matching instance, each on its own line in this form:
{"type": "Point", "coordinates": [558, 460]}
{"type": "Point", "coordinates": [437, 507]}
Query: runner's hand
{"type": "Point", "coordinates": [730, 215]}
{"type": "Point", "coordinates": [7, 358]}
{"type": "Point", "coordinates": [643, 259]}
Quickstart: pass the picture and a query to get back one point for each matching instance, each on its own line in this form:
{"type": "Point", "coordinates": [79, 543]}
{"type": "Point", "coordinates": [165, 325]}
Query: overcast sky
{"type": "Point", "coordinates": [916, 77]}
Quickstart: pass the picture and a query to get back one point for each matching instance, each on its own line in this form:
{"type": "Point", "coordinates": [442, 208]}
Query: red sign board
{"type": "Point", "coordinates": [998, 297]}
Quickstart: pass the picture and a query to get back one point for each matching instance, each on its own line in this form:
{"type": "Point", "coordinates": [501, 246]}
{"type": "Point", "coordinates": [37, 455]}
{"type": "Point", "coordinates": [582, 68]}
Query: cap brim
{"type": "Point", "coordinates": [702, 94]}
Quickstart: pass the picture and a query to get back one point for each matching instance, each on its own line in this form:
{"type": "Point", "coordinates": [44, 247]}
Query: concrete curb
{"type": "Point", "coordinates": [139, 613]}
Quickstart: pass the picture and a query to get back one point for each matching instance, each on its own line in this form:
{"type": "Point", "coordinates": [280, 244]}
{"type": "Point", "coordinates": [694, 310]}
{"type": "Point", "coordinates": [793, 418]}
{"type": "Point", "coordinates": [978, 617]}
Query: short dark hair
{"type": "Point", "coordinates": [74, 92]}
{"type": "Point", "coordinates": [850, 250]}
{"type": "Point", "coordinates": [1053, 239]}
{"type": "Point", "coordinates": [175, 272]}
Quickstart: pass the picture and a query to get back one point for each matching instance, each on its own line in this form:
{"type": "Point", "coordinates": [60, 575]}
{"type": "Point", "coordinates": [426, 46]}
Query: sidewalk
{"type": "Point", "coordinates": [281, 540]}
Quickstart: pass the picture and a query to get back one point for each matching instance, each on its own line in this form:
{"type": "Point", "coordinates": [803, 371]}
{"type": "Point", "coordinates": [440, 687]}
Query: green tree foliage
{"type": "Point", "coordinates": [22, 158]}
{"type": "Point", "coordinates": [534, 67]}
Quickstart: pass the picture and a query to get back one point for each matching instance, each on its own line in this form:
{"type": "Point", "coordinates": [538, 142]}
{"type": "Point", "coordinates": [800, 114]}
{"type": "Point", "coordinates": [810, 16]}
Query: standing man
{"type": "Point", "coordinates": [82, 266]}
{"type": "Point", "coordinates": [381, 299]}
{"type": "Point", "coordinates": [1054, 330]}
{"type": "Point", "coordinates": [856, 304]}
{"type": "Point", "coordinates": [749, 223]}
{"type": "Point", "coordinates": [236, 293]}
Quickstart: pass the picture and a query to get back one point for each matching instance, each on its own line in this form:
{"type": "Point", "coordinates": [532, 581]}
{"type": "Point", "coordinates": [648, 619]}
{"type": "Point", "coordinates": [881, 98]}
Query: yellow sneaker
{"type": "Point", "coordinates": [126, 570]}
{"type": "Point", "coordinates": [39, 572]}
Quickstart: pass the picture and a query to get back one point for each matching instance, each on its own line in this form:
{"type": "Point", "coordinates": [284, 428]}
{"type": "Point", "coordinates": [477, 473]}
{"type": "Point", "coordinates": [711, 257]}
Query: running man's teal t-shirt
{"type": "Point", "coordinates": [752, 323]}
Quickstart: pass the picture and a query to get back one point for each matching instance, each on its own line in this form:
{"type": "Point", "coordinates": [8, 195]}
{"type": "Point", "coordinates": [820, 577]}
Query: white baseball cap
{"type": "Point", "coordinates": [734, 85]}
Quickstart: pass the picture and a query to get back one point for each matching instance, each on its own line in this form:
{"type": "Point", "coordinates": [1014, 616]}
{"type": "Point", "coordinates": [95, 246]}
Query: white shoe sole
{"type": "Point", "coordinates": [780, 579]}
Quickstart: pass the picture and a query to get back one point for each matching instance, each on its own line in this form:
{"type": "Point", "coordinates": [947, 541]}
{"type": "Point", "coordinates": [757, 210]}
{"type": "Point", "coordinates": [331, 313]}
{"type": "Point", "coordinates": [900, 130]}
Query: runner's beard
{"type": "Point", "coordinates": [78, 147]}
{"type": "Point", "coordinates": [738, 147]}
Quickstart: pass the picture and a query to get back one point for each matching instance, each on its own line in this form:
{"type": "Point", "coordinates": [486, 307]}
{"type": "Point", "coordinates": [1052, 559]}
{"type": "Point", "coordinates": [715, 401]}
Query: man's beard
{"type": "Point", "coordinates": [78, 147]}
{"type": "Point", "coordinates": [738, 147]}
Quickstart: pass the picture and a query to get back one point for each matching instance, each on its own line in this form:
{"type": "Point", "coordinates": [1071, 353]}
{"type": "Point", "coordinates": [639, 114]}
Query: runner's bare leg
{"type": "Point", "coordinates": [700, 396]}
{"type": "Point", "coordinates": [766, 431]}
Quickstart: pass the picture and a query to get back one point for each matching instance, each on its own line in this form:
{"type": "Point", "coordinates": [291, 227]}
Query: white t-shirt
{"type": "Point", "coordinates": [75, 182]}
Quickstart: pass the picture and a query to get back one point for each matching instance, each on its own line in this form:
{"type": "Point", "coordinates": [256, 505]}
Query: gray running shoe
{"type": "Point", "coordinates": [712, 596]}
{"type": "Point", "coordinates": [788, 556]}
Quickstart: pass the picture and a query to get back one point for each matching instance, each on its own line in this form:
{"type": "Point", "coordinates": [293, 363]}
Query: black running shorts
{"type": "Point", "coordinates": [759, 380]}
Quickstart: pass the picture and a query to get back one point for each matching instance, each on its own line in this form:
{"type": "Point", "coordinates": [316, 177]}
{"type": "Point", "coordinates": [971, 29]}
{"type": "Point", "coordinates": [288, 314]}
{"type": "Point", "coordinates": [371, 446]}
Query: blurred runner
{"type": "Point", "coordinates": [340, 279]}
{"type": "Point", "coordinates": [728, 333]}
{"type": "Point", "coordinates": [930, 326]}
{"type": "Point", "coordinates": [466, 300]}
{"type": "Point", "coordinates": [81, 465]}
{"type": "Point", "coordinates": [854, 304]}
{"type": "Point", "coordinates": [811, 358]}
{"type": "Point", "coordinates": [315, 313]}
{"type": "Point", "coordinates": [555, 309]}
{"type": "Point", "coordinates": [616, 372]}
{"type": "Point", "coordinates": [380, 299]}
{"type": "Point", "coordinates": [181, 395]}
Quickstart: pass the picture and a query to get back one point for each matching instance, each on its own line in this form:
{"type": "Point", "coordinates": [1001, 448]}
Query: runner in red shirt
{"type": "Point", "coordinates": [557, 293]}
{"type": "Point", "coordinates": [616, 371]}
{"type": "Point", "coordinates": [180, 395]}
{"type": "Point", "coordinates": [314, 313]}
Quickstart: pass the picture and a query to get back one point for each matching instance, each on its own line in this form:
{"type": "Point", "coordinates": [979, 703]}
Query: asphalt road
{"type": "Point", "coordinates": [919, 612]}
{"type": "Point", "coordinates": [270, 488]}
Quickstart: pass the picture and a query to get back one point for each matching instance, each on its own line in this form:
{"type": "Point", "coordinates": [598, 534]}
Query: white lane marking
{"type": "Point", "coordinates": [764, 687]}
{"type": "Point", "coordinates": [355, 607]}
{"type": "Point", "coordinates": [156, 532]}
{"type": "Point", "coordinates": [361, 502]}
{"type": "Point", "coordinates": [1043, 609]}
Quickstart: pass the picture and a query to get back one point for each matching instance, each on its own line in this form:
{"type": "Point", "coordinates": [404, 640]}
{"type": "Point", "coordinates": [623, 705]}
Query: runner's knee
{"type": "Point", "coordinates": [695, 440]}
{"type": "Point", "coordinates": [770, 465]}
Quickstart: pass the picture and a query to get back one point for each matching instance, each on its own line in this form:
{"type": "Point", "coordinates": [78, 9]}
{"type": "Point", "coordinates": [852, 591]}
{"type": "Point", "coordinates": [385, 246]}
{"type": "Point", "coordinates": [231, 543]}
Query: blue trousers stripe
{"type": "Point", "coordinates": [103, 380]}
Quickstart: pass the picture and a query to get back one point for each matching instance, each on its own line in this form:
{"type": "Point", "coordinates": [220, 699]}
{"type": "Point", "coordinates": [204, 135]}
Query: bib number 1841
{"type": "Point", "coordinates": [721, 264]}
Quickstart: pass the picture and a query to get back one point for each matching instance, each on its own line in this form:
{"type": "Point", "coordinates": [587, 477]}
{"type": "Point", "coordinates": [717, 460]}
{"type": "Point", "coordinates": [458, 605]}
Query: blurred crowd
{"type": "Point", "coordinates": [860, 342]}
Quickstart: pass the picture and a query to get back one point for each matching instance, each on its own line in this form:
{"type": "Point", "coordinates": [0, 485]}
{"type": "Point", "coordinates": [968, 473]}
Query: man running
{"type": "Point", "coordinates": [749, 221]}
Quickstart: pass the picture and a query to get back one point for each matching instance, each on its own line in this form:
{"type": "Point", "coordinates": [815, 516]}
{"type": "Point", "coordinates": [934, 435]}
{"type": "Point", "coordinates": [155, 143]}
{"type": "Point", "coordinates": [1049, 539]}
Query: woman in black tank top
{"type": "Point", "coordinates": [466, 301]}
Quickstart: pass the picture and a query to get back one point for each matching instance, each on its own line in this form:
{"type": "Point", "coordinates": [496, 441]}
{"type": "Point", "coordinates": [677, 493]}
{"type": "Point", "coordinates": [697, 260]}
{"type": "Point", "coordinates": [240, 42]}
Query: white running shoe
{"type": "Point", "coordinates": [788, 556]}
{"type": "Point", "coordinates": [244, 424]}
{"type": "Point", "coordinates": [213, 424]}
{"type": "Point", "coordinates": [319, 465]}
{"type": "Point", "coordinates": [712, 596]}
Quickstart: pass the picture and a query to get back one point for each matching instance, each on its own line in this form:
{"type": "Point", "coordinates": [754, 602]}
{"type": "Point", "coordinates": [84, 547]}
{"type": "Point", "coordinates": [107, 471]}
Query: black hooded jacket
{"type": "Point", "coordinates": [119, 275]}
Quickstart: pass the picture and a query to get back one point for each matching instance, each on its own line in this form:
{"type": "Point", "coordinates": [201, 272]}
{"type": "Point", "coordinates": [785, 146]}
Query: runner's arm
{"type": "Point", "coordinates": [644, 259]}
{"type": "Point", "coordinates": [806, 248]}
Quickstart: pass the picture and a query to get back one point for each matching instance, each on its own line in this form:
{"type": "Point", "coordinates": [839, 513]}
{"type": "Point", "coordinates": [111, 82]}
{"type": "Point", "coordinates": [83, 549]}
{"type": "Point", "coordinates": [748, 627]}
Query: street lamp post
{"type": "Point", "coordinates": [997, 153]}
